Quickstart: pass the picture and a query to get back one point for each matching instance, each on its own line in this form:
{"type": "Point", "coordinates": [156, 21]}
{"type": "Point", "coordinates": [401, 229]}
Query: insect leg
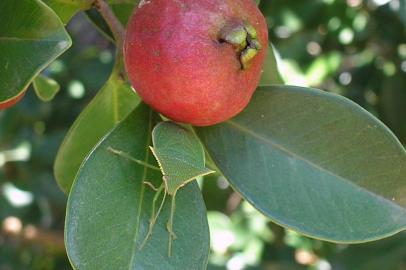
{"type": "Point", "coordinates": [154, 214]}
{"type": "Point", "coordinates": [149, 184]}
{"type": "Point", "coordinates": [169, 226]}
{"type": "Point", "coordinates": [129, 157]}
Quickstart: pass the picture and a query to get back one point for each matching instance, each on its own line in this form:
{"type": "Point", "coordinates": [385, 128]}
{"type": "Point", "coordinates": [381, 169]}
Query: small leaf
{"type": "Point", "coordinates": [109, 208]}
{"type": "Point", "coordinates": [31, 37]}
{"type": "Point", "coordinates": [112, 104]}
{"type": "Point", "coordinates": [45, 88]}
{"type": "Point", "coordinates": [67, 9]}
{"type": "Point", "coordinates": [180, 155]}
{"type": "Point", "coordinates": [270, 73]}
{"type": "Point", "coordinates": [314, 162]}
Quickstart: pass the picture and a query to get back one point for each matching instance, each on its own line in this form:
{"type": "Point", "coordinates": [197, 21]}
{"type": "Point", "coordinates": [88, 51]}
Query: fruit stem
{"type": "Point", "coordinates": [115, 25]}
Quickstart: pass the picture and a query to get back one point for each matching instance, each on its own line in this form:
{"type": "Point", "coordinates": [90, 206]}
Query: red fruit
{"type": "Point", "coordinates": [11, 102]}
{"type": "Point", "coordinates": [196, 61]}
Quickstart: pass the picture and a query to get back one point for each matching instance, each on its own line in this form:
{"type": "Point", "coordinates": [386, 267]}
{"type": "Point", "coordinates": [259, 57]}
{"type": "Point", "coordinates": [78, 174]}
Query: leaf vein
{"type": "Point", "coordinates": [140, 204]}
{"type": "Point", "coordinates": [243, 129]}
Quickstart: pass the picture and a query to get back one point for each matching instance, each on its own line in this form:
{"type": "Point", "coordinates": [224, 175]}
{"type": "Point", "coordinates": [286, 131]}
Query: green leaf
{"type": "Point", "coordinates": [270, 73]}
{"type": "Point", "coordinates": [323, 67]}
{"type": "Point", "coordinates": [66, 9]}
{"type": "Point", "coordinates": [180, 155]}
{"type": "Point", "coordinates": [112, 104]}
{"type": "Point", "coordinates": [122, 9]}
{"type": "Point", "coordinates": [387, 254]}
{"type": "Point", "coordinates": [31, 37]}
{"type": "Point", "coordinates": [314, 162]}
{"type": "Point", "coordinates": [45, 88]}
{"type": "Point", "coordinates": [99, 23]}
{"type": "Point", "coordinates": [109, 208]}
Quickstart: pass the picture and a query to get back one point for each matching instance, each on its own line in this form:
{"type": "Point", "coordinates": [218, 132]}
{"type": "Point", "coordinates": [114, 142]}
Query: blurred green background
{"type": "Point", "coordinates": [356, 48]}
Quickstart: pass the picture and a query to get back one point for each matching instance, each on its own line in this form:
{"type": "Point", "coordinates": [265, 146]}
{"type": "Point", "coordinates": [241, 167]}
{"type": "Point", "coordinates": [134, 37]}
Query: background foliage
{"type": "Point", "coordinates": [355, 48]}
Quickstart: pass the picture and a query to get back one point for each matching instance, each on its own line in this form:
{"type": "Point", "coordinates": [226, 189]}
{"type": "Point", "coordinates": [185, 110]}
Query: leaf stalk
{"type": "Point", "coordinates": [115, 25]}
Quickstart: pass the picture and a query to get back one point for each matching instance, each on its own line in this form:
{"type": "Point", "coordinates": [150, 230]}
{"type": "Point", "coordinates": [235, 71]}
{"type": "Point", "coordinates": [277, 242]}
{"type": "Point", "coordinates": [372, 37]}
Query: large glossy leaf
{"type": "Point", "coordinates": [180, 155]}
{"type": "Point", "coordinates": [66, 9]}
{"type": "Point", "coordinates": [112, 104]}
{"type": "Point", "coordinates": [31, 36]}
{"type": "Point", "coordinates": [314, 162]}
{"type": "Point", "coordinates": [109, 208]}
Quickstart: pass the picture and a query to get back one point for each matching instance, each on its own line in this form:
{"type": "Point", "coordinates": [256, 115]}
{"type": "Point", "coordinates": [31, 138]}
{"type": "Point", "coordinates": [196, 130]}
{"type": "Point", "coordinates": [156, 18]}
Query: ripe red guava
{"type": "Point", "coordinates": [11, 102]}
{"type": "Point", "coordinates": [196, 61]}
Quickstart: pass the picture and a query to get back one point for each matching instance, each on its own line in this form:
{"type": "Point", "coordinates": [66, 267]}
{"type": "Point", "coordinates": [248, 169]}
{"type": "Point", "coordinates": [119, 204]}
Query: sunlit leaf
{"type": "Point", "coordinates": [67, 9]}
{"type": "Point", "coordinates": [31, 37]}
{"type": "Point", "coordinates": [112, 104]}
{"type": "Point", "coordinates": [322, 67]}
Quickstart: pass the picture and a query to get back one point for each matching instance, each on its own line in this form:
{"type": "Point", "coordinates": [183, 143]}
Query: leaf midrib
{"type": "Point", "coordinates": [140, 204]}
{"type": "Point", "coordinates": [243, 129]}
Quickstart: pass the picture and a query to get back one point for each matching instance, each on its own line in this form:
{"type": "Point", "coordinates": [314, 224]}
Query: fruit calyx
{"type": "Point", "coordinates": [244, 38]}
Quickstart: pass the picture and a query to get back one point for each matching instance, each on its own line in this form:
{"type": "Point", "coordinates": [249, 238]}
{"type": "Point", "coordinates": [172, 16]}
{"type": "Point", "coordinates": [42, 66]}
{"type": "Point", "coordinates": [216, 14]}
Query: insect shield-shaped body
{"type": "Point", "coordinates": [181, 160]}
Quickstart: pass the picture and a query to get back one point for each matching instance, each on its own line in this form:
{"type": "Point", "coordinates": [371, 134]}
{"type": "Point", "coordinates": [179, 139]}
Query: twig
{"type": "Point", "coordinates": [115, 26]}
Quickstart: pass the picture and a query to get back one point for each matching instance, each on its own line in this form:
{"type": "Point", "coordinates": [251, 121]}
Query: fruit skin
{"type": "Point", "coordinates": [11, 102]}
{"type": "Point", "coordinates": [180, 65]}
